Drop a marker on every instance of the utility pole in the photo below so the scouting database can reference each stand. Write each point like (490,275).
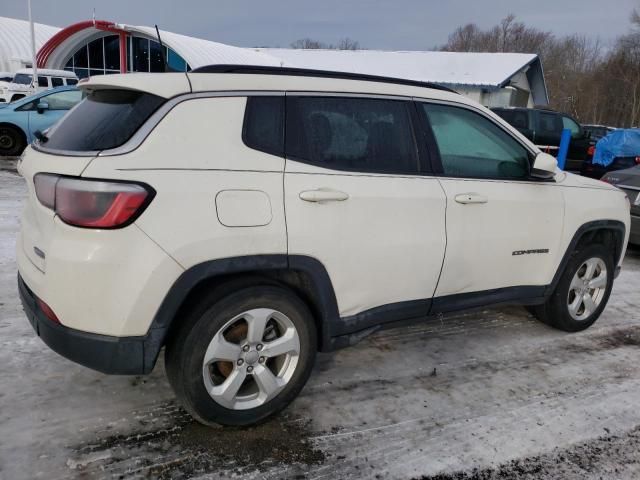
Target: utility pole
(34,78)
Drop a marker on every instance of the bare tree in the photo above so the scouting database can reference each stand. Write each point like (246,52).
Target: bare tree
(348,44)
(311,44)
(308,44)
(577,70)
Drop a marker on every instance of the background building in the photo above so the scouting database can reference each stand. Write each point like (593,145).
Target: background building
(15,42)
(492,79)
(98,47)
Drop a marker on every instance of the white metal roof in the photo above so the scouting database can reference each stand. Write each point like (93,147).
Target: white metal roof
(15,41)
(198,52)
(451,68)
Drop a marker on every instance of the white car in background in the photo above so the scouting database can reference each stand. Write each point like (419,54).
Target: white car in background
(246,217)
(21,84)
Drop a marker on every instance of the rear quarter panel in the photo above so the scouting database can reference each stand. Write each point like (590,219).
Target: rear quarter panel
(192,155)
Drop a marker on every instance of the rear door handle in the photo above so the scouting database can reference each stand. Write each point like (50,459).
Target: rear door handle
(466,198)
(323,195)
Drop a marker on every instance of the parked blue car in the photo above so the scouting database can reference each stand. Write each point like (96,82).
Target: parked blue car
(20,119)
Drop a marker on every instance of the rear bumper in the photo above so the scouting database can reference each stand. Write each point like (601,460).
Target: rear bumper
(106,354)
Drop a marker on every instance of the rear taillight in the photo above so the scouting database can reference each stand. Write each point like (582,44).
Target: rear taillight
(637,160)
(591,151)
(92,203)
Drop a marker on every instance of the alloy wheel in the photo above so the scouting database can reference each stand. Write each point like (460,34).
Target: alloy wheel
(587,288)
(251,359)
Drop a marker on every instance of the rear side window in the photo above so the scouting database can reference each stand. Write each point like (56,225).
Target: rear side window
(105,119)
(42,81)
(356,134)
(550,123)
(72,81)
(264,124)
(570,124)
(516,118)
(56,82)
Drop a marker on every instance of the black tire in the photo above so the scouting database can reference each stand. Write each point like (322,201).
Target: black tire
(12,141)
(555,312)
(185,352)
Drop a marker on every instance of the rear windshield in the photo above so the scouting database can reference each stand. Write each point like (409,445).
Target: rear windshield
(105,119)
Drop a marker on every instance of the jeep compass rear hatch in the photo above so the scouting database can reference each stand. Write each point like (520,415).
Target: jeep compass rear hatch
(105,119)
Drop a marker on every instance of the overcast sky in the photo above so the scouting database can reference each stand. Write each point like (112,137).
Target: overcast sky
(391,24)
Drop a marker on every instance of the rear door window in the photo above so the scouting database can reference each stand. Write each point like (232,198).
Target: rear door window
(355,134)
(56,82)
(105,119)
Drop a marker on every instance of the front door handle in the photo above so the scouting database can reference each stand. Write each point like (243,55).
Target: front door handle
(466,198)
(323,195)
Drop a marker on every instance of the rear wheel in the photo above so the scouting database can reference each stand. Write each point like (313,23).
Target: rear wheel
(12,142)
(241,359)
(582,292)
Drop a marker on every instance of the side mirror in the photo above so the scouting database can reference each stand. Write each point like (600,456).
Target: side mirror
(42,106)
(544,166)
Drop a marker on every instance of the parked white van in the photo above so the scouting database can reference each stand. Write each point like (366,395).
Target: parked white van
(22,86)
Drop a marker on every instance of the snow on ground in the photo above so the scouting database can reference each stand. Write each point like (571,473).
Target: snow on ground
(484,395)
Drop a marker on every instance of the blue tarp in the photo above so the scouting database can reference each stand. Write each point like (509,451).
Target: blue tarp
(619,143)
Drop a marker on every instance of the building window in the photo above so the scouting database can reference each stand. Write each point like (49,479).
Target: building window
(102,57)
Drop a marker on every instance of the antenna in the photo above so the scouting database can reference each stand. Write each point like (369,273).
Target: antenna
(164,60)
(34,60)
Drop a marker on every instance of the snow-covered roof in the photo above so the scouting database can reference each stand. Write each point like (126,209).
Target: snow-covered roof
(450,68)
(456,69)
(15,41)
(198,52)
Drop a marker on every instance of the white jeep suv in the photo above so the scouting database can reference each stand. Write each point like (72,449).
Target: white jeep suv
(246,217)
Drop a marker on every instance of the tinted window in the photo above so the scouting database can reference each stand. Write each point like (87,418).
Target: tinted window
(62,100)
(264,124)
(571,125)
(105,119)
(112,53)
(471,145)
(42,81)
(140,54)
(72,81)
(56,82)
(22,79)
(357,134)
(550,123)
(517,118)
(96,59)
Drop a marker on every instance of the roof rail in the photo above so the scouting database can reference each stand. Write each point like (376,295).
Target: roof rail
(306,72)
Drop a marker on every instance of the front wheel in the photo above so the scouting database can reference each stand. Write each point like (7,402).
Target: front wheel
(241,359)
(12,142)
(582,292)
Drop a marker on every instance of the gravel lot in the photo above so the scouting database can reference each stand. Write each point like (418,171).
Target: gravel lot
(486,395)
